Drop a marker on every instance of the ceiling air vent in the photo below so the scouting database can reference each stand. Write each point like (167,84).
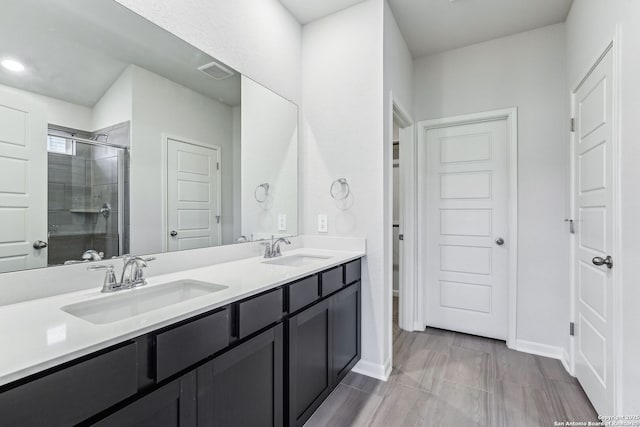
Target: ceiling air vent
(215,70)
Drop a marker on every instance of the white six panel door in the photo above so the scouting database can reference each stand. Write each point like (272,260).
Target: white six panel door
(466,187)
(23,182)
(593,197)
(193,196)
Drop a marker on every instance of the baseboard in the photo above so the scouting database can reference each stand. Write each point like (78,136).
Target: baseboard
(566,362)
(540,349)
(396,292)
(547,351)
(373,370)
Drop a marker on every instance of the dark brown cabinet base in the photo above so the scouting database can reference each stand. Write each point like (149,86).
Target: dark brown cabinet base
(268,360)
(323,345)
(172,405)
(243,387)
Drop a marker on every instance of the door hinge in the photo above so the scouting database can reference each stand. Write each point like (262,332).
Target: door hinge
(572,329)
(572,229)
(218,166)
(217,219)
(400,236)
(572,124)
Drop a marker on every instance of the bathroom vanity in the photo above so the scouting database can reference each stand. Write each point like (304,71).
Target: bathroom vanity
(265,350)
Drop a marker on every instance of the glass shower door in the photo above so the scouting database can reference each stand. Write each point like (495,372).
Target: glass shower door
(87,201)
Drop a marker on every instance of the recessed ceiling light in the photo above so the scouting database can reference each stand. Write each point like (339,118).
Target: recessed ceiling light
(12,65)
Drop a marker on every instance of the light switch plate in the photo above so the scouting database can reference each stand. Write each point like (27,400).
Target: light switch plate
(282,222)
(323,226)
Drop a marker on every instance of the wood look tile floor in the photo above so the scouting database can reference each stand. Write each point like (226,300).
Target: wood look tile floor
(449,379)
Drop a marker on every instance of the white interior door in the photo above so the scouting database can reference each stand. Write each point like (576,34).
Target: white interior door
(193,196)
(23,182)
(593,196)
(466,215)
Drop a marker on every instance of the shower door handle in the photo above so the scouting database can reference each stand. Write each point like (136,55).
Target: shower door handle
(39,244)
(174,233)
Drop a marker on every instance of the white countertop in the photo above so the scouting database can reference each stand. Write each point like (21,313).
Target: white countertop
(37,335)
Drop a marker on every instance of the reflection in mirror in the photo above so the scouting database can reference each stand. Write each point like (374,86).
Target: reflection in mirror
(118,137)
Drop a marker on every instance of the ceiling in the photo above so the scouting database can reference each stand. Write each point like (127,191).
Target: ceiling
(74,50)
(431,26)
(306,11)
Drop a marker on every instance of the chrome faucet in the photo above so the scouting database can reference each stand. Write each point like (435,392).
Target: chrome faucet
(272,249)
(92,255)
(132,274)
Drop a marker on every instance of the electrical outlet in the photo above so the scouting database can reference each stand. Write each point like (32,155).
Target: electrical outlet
(282,222)
(323,226)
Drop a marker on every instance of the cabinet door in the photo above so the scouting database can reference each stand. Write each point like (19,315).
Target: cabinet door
(345,331)
(309,361)
(244,386)
(172,405)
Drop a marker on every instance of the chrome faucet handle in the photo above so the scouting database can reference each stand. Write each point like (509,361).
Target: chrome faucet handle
(110,283)
(138,272)
(267,249)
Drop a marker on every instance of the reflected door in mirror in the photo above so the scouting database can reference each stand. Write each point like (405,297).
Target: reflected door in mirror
(23,183)
(193,196)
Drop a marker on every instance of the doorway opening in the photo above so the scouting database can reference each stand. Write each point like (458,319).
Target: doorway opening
(396,226)
(402,231)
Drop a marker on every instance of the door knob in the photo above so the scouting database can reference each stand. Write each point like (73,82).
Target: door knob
(608,261)
(39,244)
(499,241)
(174,233)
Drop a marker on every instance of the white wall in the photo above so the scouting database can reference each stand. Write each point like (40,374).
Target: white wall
(258,38)
(342,82)
(526,71)
(269,147)
(59,112)
(116,105)
(398,63)
(589,28)
(162,107)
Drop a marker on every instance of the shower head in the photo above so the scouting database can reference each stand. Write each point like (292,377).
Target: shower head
(98,135)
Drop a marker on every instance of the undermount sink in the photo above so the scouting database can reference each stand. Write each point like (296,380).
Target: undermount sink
(129,303)
(299,260)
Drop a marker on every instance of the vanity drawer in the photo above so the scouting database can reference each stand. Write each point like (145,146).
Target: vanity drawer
(74,393)
(182,346)
(352,271)
(303,293)
(332,280)
(259,312)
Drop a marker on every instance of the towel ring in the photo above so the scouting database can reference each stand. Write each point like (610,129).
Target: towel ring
(344,184)
(265,188)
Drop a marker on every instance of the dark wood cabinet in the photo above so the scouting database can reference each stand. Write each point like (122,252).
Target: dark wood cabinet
(309,361)
(346,329)
(244,386)
(73,392)
(267,360)
(259,312)
(172,405)
(323,345)
(179,347)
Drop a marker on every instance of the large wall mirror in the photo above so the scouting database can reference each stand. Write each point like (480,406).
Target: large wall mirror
(118,137)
